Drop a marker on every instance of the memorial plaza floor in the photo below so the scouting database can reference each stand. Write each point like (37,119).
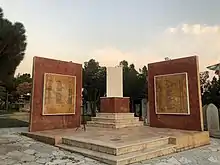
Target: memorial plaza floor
(20,150)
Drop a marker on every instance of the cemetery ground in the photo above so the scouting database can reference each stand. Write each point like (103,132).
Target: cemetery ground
(20,150)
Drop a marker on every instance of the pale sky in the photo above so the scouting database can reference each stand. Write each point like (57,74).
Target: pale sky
(139,31)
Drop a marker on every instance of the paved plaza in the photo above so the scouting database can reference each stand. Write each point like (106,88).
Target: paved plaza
(19,150)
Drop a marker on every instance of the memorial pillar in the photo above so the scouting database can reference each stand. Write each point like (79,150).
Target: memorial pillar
(114,102)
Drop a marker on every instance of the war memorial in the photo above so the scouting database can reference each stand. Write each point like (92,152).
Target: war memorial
(115,136)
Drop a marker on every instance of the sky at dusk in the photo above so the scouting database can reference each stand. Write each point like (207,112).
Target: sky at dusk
(139,31)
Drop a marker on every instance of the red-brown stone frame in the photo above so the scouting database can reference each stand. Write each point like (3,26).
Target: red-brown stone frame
(39,122)
(194,120)
(115,105)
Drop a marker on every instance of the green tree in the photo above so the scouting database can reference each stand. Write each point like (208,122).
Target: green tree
(212,94)
(2,97)
(127,91)
(94,81)
(21,78)
(204,82)
(24,88)
(143,83)
(2,93)
(134,82)
(12,48)
(210,90)
(19,85)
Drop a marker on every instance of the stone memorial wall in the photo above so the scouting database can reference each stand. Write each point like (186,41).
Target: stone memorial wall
(56,94)
(174,94)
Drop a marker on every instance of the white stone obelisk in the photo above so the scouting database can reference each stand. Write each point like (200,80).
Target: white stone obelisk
(114,82)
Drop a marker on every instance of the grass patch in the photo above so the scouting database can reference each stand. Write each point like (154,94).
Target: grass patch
(2,112)
(16,119)
(10,122)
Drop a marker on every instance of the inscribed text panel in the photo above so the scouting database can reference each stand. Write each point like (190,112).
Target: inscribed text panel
(171,94)
(59,94)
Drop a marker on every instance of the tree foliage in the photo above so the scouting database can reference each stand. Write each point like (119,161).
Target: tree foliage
(2,93)
(94,80)
(21,78)
(24,88)
(134,82)
(210,89)
(21,85)
(12,47)
(204,82)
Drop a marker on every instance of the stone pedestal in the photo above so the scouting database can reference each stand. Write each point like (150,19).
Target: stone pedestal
(114,105)
(114,113)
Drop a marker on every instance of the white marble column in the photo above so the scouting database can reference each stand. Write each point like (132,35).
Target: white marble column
(114,82)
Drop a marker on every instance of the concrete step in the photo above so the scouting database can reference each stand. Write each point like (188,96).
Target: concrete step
(113,125)
(115,115)
(110,149)
(109,120)
(125,159)
(115,122)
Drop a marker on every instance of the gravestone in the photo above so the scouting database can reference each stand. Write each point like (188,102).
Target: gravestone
(144,108)
(212,117)
(148,114)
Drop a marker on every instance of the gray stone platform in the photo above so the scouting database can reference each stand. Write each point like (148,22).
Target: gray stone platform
(20,150)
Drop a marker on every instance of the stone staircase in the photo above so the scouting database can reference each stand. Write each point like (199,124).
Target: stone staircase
(118,154)
(114,120)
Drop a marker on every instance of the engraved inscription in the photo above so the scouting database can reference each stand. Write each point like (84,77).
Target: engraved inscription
(59,94)
(171,94)
(70,96)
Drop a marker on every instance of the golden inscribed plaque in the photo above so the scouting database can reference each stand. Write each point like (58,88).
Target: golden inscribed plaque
(171,94)
(59,96)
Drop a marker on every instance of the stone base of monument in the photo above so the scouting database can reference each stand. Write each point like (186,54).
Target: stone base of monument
(114,120)
(123,146)
(115,113)
(115,105)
